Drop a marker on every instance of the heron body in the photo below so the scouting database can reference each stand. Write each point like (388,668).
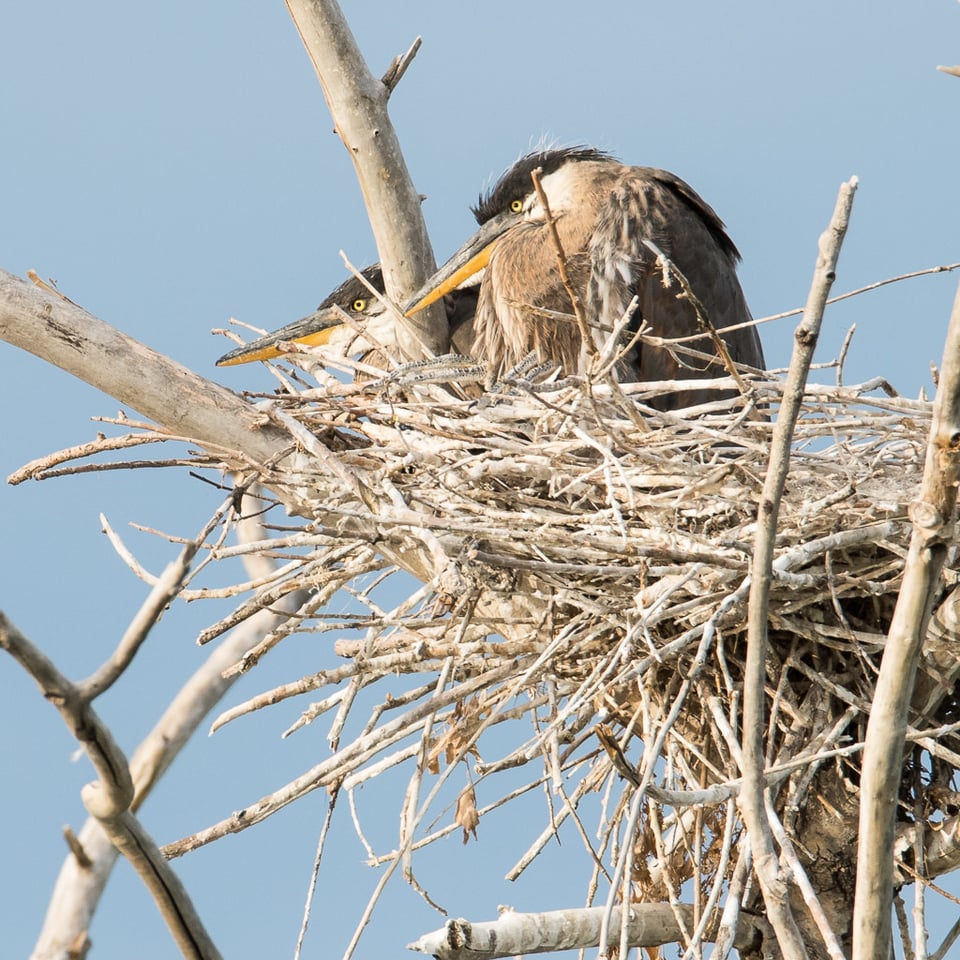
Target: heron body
(370,329)
(603,211)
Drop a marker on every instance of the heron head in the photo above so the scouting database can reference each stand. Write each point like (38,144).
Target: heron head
(328,325)
(509,204)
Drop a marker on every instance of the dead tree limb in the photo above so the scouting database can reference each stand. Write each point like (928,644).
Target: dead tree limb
(648,925)
(754,724)
(357,101)
(186,405)
(934,529)
(109,798)
(182,402)
(79,886)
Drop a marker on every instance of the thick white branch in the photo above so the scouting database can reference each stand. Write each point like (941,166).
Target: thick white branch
(179,400)
(649,925)
(358,104)
(185,404)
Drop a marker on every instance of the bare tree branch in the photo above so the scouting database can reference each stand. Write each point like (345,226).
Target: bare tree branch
(129,837)
(80,884)
(188,405)
(751,799)
(166,588)
(182,402)
(933,530)
(109,799)
(358,105)
(647,925)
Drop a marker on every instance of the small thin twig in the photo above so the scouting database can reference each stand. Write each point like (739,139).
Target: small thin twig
(398,66)
(167,586)
(669,268)
(876,285)
(585,334)
(315,872)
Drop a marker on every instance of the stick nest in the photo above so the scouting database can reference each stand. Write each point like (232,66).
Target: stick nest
(588,564)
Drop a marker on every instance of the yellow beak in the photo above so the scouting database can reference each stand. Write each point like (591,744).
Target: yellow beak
(468,261)
(314,330)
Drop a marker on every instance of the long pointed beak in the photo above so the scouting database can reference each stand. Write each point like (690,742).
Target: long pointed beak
(468,261)
(314,330)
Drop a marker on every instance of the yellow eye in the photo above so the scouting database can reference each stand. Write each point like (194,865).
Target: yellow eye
(359,305)
(516,205)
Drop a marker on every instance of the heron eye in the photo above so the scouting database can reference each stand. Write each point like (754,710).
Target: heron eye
(516,205)
(359,305)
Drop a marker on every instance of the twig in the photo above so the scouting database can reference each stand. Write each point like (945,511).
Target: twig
(398,66)
(334,767)
(903,926)
(585,334)
(165,589)
(669,268)
(948,941)
(315,872)
(920,932)
(799,876)
(37,469)
(876,285)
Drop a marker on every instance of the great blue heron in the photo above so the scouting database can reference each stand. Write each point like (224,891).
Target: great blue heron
(326,325)
(603,211)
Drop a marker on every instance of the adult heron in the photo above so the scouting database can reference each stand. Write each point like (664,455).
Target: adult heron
(370,325)
(603,211)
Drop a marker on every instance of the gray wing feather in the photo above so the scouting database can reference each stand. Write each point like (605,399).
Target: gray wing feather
(655,205)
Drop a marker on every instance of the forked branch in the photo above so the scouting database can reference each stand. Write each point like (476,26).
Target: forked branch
(110,798)
(358,104)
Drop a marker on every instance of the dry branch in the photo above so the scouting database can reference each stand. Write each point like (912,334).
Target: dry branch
(934,534)
(109,798)
(751,799)
(647,924)
(182,402)
(80,885)
(186,405)
(358,104)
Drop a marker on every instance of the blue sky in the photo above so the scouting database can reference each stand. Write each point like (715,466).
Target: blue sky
(174,165)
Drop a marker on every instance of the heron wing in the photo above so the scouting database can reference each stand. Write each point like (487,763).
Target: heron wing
(650,204)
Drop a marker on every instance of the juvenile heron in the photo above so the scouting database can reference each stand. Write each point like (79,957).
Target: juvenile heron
(603,211)
(326,326)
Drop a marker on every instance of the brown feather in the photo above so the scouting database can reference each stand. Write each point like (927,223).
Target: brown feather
(604,211)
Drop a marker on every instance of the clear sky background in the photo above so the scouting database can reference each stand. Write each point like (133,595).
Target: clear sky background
(173,165)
